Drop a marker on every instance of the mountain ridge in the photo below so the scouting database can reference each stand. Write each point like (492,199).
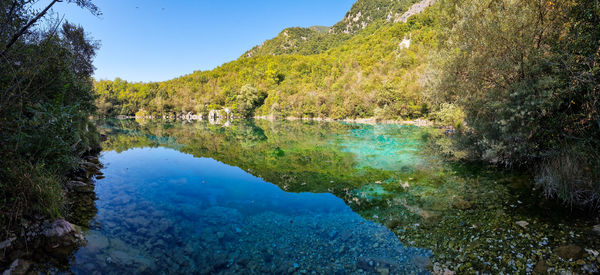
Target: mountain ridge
(306,41)
(365,12)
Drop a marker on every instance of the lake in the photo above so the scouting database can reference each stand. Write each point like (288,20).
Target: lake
(300,197)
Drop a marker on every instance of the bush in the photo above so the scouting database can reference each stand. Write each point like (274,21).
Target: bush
(533,100)
(142,113)
(46,101)
(450,115)
(571,176)
(27,190)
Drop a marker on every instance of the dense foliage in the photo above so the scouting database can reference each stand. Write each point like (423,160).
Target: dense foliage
(527,75)
(45,101)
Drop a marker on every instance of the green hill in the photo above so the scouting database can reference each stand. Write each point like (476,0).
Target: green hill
(303,72)
(297,40)
(317,39)
(321,29)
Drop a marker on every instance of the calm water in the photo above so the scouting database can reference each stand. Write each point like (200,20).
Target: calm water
(163,210)
(314,198)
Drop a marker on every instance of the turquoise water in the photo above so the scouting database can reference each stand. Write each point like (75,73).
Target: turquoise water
(163,211)
(384,146)
(301,197)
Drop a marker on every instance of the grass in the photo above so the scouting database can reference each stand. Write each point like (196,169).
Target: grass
(28,191)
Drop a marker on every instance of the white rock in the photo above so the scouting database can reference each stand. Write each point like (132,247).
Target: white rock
(592,252)
(523,224)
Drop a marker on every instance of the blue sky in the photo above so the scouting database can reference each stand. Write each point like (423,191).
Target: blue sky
(156,40)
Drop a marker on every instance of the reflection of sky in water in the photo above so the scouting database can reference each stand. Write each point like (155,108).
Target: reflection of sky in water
(388,147)
(160,210)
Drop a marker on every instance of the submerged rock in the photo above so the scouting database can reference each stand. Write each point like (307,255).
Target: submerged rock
(96,241)
(383,271)
(365,264)
(569,252)
(79,187)
(346,235)
(132,257)
(219,261)
(218,215)
(18,267)
(61,237)
(422,261)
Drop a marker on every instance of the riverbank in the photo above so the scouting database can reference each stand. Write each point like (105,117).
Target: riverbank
(371,120)
(40,241)
(421,122)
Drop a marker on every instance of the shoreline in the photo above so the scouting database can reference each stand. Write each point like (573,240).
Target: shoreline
(40,239)
(420,122)
(371,121)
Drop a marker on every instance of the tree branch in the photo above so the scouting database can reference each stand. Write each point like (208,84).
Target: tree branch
(27,26)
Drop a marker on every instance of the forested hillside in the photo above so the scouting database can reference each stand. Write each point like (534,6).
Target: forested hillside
(362,75)
(519,80)
(318,39)
(297,40)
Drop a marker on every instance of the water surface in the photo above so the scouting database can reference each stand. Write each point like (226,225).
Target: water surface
(162,210)
(289,197)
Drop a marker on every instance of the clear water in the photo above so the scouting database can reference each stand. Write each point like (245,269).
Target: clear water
(386,146)
(164,211)
(316,198)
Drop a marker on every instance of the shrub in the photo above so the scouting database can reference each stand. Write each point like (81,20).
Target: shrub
(44,112)
(571,176)
(451,115)
(142,113)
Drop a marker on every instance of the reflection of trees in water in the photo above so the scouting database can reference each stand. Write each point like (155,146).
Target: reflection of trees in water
(297,156)
(82,208)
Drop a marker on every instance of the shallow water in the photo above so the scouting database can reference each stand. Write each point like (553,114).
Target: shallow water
(161,210)
(306,197)
(386,146)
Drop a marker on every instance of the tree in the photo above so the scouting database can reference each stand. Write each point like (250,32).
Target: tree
(45,101)
(248,100)
(526,75)
(11,10)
